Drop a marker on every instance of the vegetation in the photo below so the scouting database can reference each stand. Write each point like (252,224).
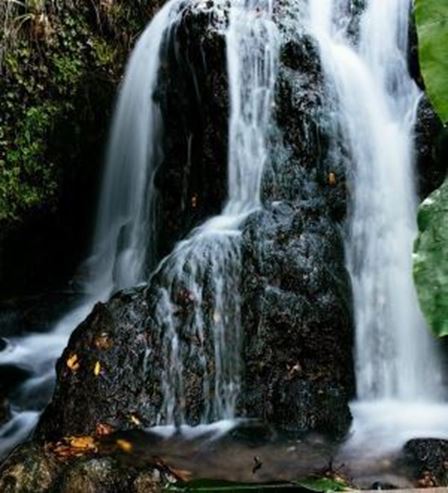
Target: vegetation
(431,247)
(432,25)
(431,260)
(60,62)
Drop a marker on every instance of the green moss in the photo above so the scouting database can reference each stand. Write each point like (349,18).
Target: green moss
(59,65)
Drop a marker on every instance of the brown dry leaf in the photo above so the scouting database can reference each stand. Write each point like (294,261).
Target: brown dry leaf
(124,445)
(332,179)
(82,442)
(70,447)
(97,368)
(103,429)
(73,362)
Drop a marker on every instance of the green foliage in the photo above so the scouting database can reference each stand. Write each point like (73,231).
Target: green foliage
(60,63)
(25,180)
(431,260)
(431,246)
(432,26)
(316,485)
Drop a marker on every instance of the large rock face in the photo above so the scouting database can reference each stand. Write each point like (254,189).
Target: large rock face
(297,369)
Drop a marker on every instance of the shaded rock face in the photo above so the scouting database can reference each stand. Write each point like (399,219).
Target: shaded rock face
(295,293)
(428,458)
(193,96)
(28,469)
(33,469)
(431,144)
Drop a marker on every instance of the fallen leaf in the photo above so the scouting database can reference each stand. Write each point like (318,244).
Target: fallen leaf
(73,362)
(124,445)
(103,429)
(97,369)
(135,420)
(70,447)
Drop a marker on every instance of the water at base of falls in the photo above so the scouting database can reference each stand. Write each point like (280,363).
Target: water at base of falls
(398,372)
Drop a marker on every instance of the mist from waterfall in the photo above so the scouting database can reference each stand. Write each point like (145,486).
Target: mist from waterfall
(397,365)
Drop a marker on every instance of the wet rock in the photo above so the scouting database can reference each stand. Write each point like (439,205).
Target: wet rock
(430,141)
(428,458)
(298,323)
(29,469)
(96,475)
(32,468)
(102,374)
(5,411)
(193,97)
(381,485)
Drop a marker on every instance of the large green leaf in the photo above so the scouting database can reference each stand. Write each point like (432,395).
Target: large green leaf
(431,259)
(432,26)
(312,485)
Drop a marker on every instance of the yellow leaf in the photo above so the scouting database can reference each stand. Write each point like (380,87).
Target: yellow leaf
(82,442)
(124,445)
(135,420)
(73,362)
(97,369)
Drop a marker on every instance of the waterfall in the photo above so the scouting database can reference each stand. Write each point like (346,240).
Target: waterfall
(122,245)
(122,250)
(206,267)
(376,102)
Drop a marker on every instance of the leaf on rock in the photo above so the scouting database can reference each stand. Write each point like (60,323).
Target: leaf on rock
(97,368)
(73,362)
(124,445)
(103,429)
(74,446)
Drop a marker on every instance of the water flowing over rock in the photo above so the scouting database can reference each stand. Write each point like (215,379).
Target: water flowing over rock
(206,340)
(260,170)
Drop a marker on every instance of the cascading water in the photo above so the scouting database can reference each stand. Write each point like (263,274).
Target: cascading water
(397,366)
(206,267)
(122,246)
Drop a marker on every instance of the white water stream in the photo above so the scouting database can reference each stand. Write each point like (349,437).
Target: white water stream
(207,265)
(398,370)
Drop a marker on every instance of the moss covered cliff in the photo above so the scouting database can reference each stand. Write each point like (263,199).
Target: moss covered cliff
(60,64)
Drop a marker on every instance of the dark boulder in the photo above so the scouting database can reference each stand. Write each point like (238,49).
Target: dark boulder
(29,469)
(297,321)
(39,468)
(428,458)
(431,144)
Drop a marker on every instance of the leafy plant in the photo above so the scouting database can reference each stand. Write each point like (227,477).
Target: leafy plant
(432,26)
(431,246)
(431,260)
(315,484)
